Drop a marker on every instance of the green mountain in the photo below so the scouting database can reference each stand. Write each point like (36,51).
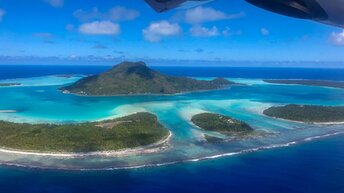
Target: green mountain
(136,78)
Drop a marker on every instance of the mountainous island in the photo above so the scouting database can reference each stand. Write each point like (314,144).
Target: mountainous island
(326,83)
(130,78)
(140,129)
(307,113)
(221,124)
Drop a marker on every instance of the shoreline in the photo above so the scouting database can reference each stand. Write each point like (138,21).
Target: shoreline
(303,84)
(148,149)
(261,112)
(309,123)
(191,160)
(8,111)
(150,94)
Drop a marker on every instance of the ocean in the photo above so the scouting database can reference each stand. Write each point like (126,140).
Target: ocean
(303,163)
(24,71)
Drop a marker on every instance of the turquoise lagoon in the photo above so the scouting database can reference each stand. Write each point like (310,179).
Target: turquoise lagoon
(38,100)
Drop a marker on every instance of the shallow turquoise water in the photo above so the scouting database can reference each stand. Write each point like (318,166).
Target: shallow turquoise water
(39,100)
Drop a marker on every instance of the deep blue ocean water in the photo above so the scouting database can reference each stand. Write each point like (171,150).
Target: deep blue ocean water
(25,71)
(312,167)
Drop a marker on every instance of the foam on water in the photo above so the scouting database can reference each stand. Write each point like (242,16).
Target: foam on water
(44,80)
(248,81)
(187,160)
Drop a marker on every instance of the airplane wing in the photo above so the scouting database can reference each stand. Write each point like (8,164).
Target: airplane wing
(165,5)
(330,12)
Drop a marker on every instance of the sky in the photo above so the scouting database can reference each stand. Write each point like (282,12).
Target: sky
(107,31)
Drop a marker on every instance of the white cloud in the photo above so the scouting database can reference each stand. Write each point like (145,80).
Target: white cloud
(100,28)
(337,38)
(201,31)
(157,30)
(114,14)
(2,13)
(229,32)
(202,14)
(55,3)
(264,31)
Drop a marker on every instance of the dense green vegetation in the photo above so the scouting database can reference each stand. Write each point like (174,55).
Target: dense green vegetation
(307,113)
(10,84)
(136,78)
(127,132)
(333,84)
(220,123)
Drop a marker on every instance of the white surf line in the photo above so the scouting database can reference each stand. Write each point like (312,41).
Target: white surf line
(328,123)
(182,161)
(215,156)
(265,147)
(8,111)
(323,136)
(152,148)
(310,123)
